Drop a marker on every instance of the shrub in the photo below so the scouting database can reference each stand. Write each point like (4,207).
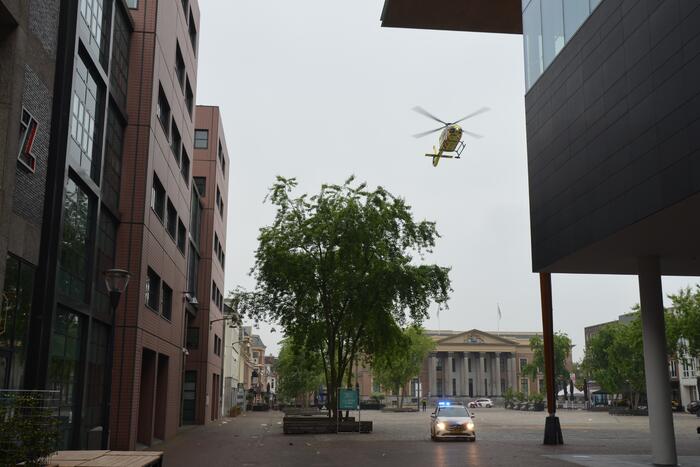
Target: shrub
(29,429)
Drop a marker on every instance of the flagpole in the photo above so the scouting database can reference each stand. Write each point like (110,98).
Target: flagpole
(498,319)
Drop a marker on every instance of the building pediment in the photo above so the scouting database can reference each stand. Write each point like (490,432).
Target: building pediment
(475,337)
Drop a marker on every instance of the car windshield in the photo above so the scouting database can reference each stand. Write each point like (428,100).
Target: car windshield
(455,411)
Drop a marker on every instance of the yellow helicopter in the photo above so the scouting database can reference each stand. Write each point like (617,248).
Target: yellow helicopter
(451,136)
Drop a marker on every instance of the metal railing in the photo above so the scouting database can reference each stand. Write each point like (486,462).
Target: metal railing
(29,426)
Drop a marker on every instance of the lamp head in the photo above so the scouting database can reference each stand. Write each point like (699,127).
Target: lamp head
(116,280)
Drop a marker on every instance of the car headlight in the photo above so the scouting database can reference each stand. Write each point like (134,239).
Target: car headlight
(470,426)
(440,426)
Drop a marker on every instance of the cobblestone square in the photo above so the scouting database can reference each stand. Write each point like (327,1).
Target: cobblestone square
(504,438)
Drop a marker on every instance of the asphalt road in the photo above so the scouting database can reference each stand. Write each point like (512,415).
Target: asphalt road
(504,438)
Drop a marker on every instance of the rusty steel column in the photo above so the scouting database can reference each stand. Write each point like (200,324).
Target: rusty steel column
(552,428)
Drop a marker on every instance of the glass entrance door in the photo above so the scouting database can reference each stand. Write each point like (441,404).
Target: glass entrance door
(189,397)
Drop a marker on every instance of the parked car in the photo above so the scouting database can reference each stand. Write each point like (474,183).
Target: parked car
(693,407)
(483,402)
(452,420)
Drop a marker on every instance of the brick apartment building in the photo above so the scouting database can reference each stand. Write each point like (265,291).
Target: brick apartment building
(107,87)
(205,329)
(160,237)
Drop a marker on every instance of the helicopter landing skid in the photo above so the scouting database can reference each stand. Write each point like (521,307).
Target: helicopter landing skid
(460,147)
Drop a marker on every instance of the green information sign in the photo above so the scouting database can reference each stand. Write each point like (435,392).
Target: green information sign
(347,399)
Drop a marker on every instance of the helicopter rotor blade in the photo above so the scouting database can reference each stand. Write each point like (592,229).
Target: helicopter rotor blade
(425,113)
(426,133)
(473,114)
(473,135)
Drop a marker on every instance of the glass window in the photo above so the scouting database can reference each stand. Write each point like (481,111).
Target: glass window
(193,34)
(192,338)
(111,185)
(94,391)
(96,16)
(201,183)
(184,6)
(532,42)
(106,246)
(133,4)
(167,301)
(201,139)
(158,198)
(75,242)
(172,220)
(163,110)
(523,363)
(524,386)
(189,97)
(14,319)
(181,235)
(185,167)
(179,65)
(552,29)
(119,68)
(575,13)
(175,141)
(192,270)
(64,368)
(222,159)
(152,289)
(469,365)
(85,120)
(195,217)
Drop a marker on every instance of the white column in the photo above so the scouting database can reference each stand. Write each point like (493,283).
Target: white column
(432,376)
(512,378)
(446,381)
(465,373)
(498,374)
(482,374)
(476,373)
(663,441)
(457,374)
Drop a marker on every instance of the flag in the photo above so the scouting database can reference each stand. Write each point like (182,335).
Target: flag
(499,311)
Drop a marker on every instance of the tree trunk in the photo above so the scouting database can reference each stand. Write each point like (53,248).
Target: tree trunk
(400,397)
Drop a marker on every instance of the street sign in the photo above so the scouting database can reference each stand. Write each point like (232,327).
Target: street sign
(347,399)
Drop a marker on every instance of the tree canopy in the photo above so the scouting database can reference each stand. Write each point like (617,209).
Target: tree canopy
(340,272)
(562,350)
(299,370)
(614,358)
(686,322)
(394,367)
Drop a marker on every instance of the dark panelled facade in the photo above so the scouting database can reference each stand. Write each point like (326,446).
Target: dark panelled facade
(613,127)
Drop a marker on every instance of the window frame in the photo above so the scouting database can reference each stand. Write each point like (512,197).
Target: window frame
(153,303)
(196,139)
(156,189)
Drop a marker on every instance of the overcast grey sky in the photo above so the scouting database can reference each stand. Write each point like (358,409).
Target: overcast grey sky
(318,90)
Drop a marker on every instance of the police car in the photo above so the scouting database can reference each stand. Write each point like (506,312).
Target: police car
(452,420)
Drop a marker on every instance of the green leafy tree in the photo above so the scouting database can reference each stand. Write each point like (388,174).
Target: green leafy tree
(338,270)
(394,367)
(300,371)
(614,358)
(686,318)
(562,351)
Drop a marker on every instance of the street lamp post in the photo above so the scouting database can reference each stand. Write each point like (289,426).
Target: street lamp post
(116,281)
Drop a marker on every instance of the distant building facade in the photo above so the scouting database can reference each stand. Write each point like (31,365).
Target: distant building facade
(684,370)
(468,364)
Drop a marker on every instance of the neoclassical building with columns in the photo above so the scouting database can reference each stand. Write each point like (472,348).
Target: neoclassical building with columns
(467,364)
(476,363)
